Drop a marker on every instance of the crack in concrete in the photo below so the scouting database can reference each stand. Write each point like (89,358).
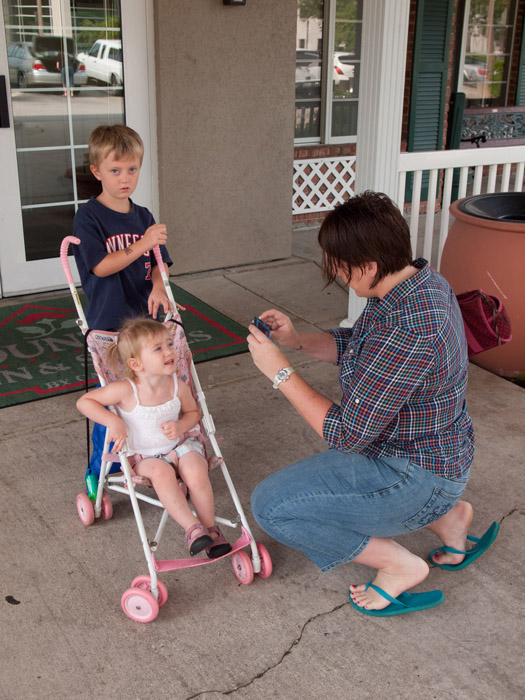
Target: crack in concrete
(288,651)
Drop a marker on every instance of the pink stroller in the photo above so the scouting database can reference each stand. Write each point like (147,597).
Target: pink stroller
(141,602)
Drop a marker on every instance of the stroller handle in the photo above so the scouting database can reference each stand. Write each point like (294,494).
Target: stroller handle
(158,257)
(63,256)
(82,323)
(165,280)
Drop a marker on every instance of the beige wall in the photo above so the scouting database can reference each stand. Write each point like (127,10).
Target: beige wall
(225,101)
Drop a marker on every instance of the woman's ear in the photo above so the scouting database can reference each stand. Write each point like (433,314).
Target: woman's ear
(371,270)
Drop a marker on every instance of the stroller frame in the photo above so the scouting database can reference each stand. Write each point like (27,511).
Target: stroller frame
(141,602)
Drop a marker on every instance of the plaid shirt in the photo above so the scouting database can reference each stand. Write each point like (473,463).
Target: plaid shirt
(403,372)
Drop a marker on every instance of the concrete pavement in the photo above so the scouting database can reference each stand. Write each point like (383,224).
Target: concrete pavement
(290,636)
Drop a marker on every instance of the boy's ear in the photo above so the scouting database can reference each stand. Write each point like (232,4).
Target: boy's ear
(94,170)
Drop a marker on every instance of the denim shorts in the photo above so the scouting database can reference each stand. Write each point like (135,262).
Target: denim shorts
(190,445)
(328,506)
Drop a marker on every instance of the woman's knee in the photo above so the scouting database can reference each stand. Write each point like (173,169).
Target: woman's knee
(263,500)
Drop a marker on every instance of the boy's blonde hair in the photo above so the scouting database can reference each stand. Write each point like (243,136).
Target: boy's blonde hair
(125,142)
(133,335)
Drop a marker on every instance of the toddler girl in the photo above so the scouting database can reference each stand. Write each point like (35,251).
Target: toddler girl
(156,412)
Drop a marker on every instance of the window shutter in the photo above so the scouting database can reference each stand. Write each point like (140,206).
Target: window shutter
(429,78)
(520,89)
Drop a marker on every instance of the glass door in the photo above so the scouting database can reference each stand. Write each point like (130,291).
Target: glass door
(65,74)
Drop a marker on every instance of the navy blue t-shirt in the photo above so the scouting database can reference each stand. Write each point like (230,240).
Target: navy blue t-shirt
(125,294)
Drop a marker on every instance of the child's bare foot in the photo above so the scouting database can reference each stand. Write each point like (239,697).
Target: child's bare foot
(452,530)
(394,580)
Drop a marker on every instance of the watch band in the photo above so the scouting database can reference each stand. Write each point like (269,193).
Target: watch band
(282,376)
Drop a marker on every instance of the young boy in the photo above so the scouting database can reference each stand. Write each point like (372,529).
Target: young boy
(115,259)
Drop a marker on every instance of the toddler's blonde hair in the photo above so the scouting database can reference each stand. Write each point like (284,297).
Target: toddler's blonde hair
(121,139)
(133,335)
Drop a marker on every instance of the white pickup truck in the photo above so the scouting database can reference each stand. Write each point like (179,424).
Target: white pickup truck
(103,61)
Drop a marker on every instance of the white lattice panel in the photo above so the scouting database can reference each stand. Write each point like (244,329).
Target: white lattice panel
(321,183)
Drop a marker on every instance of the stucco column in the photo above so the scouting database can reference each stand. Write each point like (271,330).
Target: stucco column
(381,92)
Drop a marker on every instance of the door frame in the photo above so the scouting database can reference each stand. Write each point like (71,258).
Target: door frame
(17,276)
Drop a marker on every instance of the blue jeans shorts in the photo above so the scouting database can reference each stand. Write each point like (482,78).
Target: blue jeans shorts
(330,505)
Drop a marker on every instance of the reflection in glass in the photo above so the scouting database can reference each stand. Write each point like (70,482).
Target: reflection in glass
(347,54)
(43,176)
(308,68)
(96,106)
(485,69)
(50,44)
(87,184)
(344,118)
(40,119)
(44,229)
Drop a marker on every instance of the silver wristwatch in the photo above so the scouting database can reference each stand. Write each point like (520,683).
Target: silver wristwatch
(282,376)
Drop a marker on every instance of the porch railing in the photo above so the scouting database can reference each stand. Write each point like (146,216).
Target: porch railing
(472,171)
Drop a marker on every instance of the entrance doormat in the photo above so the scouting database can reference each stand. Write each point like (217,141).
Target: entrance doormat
(42,348)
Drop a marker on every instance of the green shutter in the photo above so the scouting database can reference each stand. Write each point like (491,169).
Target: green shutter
(520,90)
(429,78)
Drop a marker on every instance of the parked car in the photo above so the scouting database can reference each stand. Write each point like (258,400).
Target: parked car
(34,63)
(307,73)
(474,70)
(103,61)
(344,67)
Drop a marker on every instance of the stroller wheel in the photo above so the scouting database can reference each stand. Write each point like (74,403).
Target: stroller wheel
(85,509)
(106,510)
(139,605)
(144,582)
(242,567)
(266,561)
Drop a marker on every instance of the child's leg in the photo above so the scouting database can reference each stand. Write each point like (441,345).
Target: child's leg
(166,484)
(193,469)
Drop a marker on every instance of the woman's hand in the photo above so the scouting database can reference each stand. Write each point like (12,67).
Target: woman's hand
(171,429)
(282,328)
(266,356)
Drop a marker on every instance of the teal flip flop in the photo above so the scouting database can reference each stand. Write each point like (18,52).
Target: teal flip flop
(404,603)
(471,555)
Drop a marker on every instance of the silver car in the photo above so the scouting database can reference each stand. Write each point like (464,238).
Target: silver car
(34,63)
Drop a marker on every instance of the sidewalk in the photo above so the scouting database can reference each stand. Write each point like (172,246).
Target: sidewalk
(290,636)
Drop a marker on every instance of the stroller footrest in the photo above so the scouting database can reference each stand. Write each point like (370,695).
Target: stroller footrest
(172,564)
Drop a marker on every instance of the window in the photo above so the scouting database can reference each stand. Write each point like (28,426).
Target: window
(487,49)
(327,67)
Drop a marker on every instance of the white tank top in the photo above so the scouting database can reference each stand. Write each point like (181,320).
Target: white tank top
(145,436)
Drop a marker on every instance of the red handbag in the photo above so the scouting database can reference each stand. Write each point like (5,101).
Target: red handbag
(487,323)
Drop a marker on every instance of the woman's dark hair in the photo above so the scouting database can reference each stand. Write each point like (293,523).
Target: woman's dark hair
(366,228)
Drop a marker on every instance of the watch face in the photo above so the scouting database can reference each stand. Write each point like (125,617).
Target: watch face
(282,374)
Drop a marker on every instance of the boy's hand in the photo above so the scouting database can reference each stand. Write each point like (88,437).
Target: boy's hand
(156,235)
(158,298)
(171,429)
